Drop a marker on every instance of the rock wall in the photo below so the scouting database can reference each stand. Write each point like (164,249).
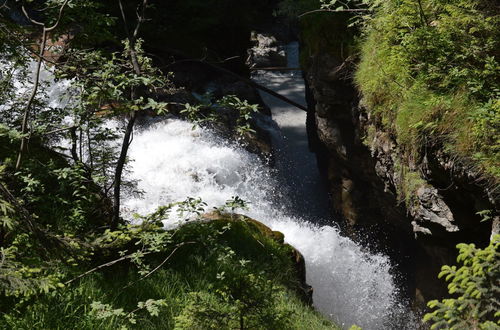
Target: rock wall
(364,167)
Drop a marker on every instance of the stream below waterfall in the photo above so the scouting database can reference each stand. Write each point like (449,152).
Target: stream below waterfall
(171,161)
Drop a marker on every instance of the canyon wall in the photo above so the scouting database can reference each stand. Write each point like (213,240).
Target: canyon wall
(365,170)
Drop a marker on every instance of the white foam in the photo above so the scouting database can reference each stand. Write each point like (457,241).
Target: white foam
(171,161)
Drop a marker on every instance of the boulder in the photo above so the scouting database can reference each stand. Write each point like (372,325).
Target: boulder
(256,229)
(265,52)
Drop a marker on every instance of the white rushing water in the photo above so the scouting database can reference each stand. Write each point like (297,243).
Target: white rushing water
(54,92)
(171,161)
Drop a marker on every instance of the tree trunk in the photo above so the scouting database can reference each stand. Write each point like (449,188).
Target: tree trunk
(36,83)
(119,169)
(130,126)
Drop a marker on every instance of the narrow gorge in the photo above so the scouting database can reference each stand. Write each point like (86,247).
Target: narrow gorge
(258,164)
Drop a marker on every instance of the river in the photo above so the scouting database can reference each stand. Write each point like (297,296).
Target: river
(172,161)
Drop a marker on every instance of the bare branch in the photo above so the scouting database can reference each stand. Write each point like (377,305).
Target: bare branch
(59,130)
(128,256)
(140,18)
(4,5)
(333,11)
(24,128)
(61,10)
(28,17)
(124,18)
(43,43)
(249,82)
(111,263)
(161,264)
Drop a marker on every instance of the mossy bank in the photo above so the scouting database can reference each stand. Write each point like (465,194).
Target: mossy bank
(404,117)
(222,271)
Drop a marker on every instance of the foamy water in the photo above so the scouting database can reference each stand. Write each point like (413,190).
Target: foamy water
(171,161)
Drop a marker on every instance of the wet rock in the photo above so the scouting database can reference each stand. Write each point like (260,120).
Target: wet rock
(363,165)
(432,208)
(265,52)
(303,289)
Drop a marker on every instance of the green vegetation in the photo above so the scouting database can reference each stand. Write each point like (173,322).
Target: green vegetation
(208,111)
(320,31)
(429,75)
(67,257)
(226,273)
(408,185)
(427,71)
(475,289)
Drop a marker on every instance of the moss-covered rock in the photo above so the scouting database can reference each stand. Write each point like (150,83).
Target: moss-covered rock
(410,157)
(254,234)
(214,273)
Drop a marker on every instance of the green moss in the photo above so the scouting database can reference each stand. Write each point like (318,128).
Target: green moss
(407,184)
(194,270)
(326,33)
(369,136)
(431,80)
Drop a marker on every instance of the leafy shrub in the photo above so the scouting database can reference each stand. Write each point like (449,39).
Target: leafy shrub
(429,75)
(475,287)
(240,298)
(208,111)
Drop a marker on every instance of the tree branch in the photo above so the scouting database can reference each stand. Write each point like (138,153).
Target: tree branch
(161,264)
(333,11)
(28,17)
(250,82)
(24,127)
(43,43)
(111,263)
(124,18)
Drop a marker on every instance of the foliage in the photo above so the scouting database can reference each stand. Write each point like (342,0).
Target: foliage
(208,111)
(102,311)
(233,204)
(244,109)
(475,288)
(62,260)
(429,76)
(291,9)
(102,79)
(322,31)
(240,298)
(230,264)
(360,9)
(410,181)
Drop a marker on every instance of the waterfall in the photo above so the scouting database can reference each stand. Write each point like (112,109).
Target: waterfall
(172,161)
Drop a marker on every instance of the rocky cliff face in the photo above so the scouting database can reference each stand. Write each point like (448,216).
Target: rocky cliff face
(365,169)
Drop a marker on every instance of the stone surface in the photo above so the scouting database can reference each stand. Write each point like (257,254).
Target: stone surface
(265,52)
(304,290)
(361,162)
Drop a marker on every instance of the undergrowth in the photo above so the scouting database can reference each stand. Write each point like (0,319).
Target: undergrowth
(429,76)
(224,271)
